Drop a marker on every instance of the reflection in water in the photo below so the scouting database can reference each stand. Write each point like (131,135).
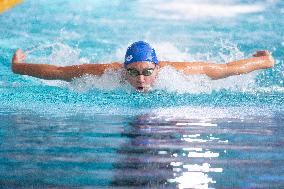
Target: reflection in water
(194,175)
(169,153)
(144,152)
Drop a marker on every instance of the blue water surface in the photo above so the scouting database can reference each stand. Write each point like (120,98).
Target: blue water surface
(188,132)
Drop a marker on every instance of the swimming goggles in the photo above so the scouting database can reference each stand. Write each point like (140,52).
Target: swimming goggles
(134,72)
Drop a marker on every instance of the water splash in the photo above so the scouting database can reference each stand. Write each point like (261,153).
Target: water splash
(57,53)
(174,81)
(169,79)
(190,10)
(110,80)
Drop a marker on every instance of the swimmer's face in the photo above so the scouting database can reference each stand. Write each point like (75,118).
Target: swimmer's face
(147,75)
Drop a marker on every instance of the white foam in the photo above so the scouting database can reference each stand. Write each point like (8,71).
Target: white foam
(61,54)
(172,80)
(192,9)
(168,51)
(110,80)
(208,113)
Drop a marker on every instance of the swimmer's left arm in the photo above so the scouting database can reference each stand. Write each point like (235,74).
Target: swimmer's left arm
(260,60)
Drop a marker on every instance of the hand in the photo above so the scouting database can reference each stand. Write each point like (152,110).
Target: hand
(261,53)
(266,55)
(19,57)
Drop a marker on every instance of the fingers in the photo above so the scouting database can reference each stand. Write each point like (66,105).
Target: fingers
(19,56)
(269,63)
(20,52)
(262,53)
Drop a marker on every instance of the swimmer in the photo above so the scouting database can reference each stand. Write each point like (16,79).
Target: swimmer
(141,67)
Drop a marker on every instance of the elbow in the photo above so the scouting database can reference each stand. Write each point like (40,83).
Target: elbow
(62,74)
(216,77)
(216,72)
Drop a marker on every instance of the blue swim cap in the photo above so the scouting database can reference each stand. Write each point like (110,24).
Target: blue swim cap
(140,52)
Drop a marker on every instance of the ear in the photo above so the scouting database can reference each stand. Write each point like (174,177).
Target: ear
(124,72)
(124,75)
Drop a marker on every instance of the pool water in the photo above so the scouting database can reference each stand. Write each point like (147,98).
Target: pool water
(188,132)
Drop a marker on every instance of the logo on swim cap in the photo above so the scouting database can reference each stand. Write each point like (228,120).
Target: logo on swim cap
(140,52)
(129,58)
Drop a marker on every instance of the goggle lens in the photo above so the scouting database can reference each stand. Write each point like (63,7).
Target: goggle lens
(134,73)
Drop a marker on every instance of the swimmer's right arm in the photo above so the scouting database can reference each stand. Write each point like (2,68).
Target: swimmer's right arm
(51,72)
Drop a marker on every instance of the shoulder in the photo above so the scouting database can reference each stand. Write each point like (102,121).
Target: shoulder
(114,66)
(177,65)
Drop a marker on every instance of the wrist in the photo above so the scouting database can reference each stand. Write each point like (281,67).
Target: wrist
(15,66)
(266,61)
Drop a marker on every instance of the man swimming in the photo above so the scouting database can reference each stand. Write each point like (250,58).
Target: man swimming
(141,67)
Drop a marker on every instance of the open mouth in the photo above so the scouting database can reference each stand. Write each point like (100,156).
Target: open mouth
(143,88)
(140,88)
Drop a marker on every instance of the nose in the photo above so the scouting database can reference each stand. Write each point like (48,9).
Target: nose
(140,79)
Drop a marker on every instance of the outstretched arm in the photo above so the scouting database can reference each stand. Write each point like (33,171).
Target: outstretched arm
(260,60)
(66,73)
